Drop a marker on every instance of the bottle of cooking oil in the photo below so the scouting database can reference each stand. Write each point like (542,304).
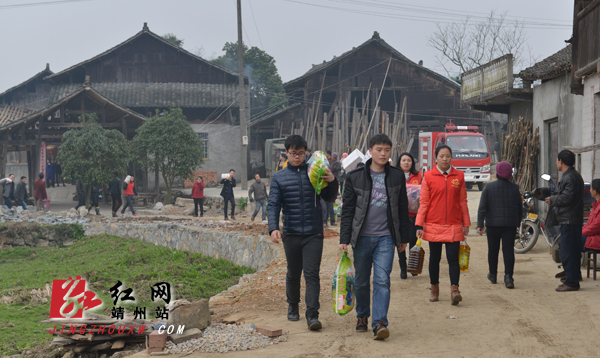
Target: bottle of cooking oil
(463,255)
(416,256)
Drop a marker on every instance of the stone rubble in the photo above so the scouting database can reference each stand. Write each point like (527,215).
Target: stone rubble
(17,214)
(223,338)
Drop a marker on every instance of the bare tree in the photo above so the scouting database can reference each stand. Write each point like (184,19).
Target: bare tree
(469,44)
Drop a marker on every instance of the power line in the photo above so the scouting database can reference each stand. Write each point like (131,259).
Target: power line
(31,4)
(256,26)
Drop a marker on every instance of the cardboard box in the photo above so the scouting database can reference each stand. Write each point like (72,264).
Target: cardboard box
(352,160)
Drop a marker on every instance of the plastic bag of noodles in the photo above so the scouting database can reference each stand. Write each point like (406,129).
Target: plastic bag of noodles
(317,167)
(343,287)
(413,191)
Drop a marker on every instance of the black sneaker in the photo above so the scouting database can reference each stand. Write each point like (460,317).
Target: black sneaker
(508,281)
(403,274)
(362,324)
(293,314)
(493,278)
(380,332)
(314,324)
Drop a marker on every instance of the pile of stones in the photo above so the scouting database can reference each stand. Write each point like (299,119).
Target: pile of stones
(17,214)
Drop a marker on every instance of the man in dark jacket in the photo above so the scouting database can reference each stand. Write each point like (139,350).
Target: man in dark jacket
(293,194)
(8,190)
(375,221)
(259,189)
(58,174)
(22,193)
(80,190)
(501,208)
(114,186)
(227,193)
(569,213)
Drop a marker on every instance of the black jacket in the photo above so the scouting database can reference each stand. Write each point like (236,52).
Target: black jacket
(114,186)
(228,186)
(357,198)
(292,193)
(569,201)
(21,192)
(500,205)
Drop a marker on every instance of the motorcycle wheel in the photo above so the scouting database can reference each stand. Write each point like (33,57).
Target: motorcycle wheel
(527,240)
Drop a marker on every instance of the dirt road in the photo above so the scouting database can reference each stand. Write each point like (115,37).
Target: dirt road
(531,320)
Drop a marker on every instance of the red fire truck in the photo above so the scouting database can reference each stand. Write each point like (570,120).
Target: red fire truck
(470,152)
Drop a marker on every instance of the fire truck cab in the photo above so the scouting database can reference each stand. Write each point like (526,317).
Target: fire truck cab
(470,152)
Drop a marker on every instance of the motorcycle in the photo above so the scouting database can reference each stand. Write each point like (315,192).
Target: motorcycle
(529,230)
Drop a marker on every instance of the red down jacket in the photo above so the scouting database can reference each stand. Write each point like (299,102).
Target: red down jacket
(591,228)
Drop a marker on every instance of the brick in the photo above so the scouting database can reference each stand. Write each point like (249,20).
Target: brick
(268,331)
(157,340)
(186,335)
(207,176)
(153,350)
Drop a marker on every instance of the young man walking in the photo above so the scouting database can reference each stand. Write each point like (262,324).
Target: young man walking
(260,195)
(569,213)
(8,190)
(39,193)
(375,222)
(114,186)
(293,194)
(227,193)
(22,193)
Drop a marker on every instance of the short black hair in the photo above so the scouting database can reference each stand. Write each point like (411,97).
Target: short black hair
(328,152)
(41,175)
(231,170)
(360,165)
(308,150)
(296,142)
(413,168)
(199,176)
(379,139)
(284,155)
(10,174)
(567,157)
(596,185)
(440,147)
(23,177)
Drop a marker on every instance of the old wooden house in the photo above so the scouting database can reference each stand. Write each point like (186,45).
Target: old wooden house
(370,89)
(124,85)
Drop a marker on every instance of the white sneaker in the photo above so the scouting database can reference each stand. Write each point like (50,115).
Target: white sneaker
(264,221)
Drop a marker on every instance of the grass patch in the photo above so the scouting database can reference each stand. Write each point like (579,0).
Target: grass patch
(102,260)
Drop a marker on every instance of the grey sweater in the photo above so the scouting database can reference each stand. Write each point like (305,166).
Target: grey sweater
(259,189)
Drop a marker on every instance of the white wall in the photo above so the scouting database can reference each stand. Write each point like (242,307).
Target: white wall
(590,90)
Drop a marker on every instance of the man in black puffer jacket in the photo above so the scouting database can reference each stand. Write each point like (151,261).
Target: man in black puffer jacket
(569,213)
(501,208)
(292,193)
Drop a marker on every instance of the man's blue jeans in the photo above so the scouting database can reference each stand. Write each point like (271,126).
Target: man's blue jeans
(8,202)
(261,204)
(570,253)
(378,253)
(22,203)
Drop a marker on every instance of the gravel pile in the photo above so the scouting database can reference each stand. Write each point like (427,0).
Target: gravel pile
(17,214)
(223,338)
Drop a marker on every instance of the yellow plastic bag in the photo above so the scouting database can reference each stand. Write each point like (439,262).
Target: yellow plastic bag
(317,168)
(343,287)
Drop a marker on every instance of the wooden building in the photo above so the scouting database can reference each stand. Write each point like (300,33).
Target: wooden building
(124,85)
(370,89)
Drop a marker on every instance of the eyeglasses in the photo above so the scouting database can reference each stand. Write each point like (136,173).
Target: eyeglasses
(297,155)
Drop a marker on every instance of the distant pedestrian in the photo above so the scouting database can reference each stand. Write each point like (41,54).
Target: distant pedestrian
(307,155)
(334,166)
(39,193)
(129,190)
(8,190)
(114,186)
(501,209)
(198,195)
(58,174)
(22,193)
(80,190)
(260,196)
(95,198)
(406,162)
(283,161)
(49,173)
(227,193)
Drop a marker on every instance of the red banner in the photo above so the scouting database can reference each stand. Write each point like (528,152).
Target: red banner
(43,158)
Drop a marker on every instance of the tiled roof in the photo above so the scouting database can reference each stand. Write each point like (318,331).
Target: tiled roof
(374,39)
(9,114)
(550,67)
(42,74)
(153,95)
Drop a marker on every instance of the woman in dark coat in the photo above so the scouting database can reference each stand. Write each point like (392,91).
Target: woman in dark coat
(501,208)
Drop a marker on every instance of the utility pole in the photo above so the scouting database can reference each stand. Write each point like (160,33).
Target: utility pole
(243,127)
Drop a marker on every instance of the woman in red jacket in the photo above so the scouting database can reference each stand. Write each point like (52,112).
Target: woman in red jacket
(198,195)
(591,228)
(406,162)
(443,219)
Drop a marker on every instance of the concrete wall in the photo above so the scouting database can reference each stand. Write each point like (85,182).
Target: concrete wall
(254,251)
(590,113)
(553,100)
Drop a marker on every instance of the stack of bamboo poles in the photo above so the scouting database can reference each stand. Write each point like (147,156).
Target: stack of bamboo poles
(521,146)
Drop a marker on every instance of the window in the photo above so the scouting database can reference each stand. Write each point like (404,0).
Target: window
(204,138)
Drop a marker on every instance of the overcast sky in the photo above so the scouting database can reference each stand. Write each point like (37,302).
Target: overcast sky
(296,33)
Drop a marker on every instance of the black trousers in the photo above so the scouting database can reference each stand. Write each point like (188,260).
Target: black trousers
(506,236)
(412,241)
(116,202)
(435,255)
(58,179)
(227,201)
(200,202)
(303,253)
(570,253)
(81,199)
